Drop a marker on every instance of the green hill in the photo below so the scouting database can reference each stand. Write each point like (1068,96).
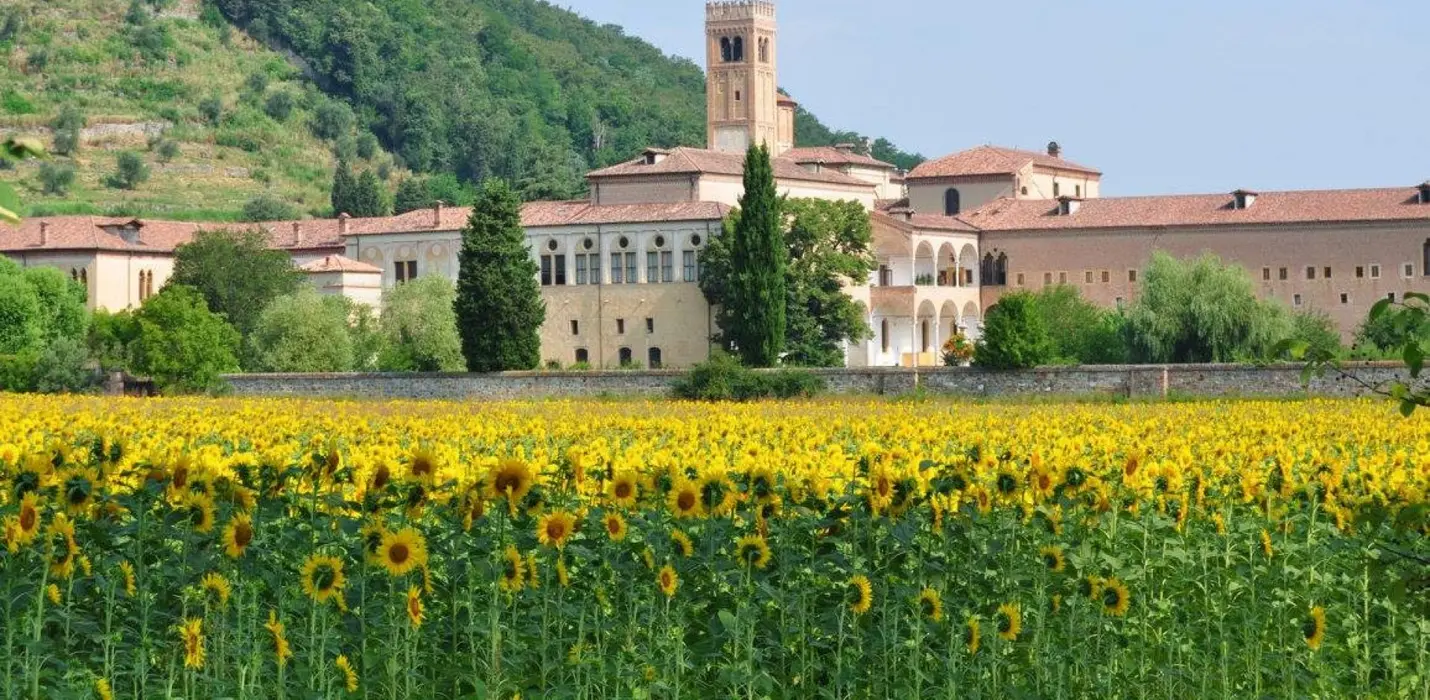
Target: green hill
(518,89)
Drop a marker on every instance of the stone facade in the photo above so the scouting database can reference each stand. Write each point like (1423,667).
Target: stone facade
(1136,382)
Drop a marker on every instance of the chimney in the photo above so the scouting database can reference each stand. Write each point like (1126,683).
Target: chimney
(1055,150)
(297,233)
(343,224)
(1067,206)
(437,213)
(1424,192)
(44,233)
(1242,199)
(844,147)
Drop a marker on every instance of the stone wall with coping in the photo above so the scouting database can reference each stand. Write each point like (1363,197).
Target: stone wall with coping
(1138,381)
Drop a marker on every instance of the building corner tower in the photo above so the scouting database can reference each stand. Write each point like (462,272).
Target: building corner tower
(741,89)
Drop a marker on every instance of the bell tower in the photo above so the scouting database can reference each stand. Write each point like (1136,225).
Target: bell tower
(740,75)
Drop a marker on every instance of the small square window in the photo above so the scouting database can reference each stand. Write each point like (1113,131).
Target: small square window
(1047,279)
(1284,274)
(1266,274)
(1360,272)
(1120,302)
(1326,273)
(1088,276)
(1345,299)
(650,325)
(1021,279)
(1391,297)
(1409,270)
(1062,278)
(1132,276)
(620,326)
(1106,276)
(1296,300)
(1375,272)
(575,328)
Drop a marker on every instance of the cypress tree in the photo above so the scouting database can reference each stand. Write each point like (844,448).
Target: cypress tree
(344,186)
(757,260)
(369,197)
(499,306)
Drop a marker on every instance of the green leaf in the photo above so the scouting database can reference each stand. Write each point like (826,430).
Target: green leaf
(1407,408)
(1414,358)
(1379,309)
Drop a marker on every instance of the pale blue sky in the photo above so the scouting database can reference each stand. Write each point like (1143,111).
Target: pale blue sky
(1164,97)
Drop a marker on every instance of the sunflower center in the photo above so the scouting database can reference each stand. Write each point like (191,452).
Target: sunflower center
(324,577)
(1111,597)
(242,534)
(196,515)
(1004,625)
(686,500)
(1310,628)
(380,478)
(181,477)
(422,466)
(623,490)
(613,526)
(1051,560)
(77,491)
(883,487)
(555,530)
(398,553)
(28,518)
(1006,483)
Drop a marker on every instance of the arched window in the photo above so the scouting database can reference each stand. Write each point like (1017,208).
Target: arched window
(1425,264)
(924,335)
(653,359)
(1000,271)
(738,49)
(725,54)
(985,271)
(764,51)
(583,357)
(884,334)
(626,358)
(952,202)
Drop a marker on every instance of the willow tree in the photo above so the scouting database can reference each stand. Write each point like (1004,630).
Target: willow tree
(1202,311)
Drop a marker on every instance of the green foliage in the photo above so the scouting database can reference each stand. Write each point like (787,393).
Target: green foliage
(828,243)
(1082,332)
(211,109)
(723,378)
(1014,335)
(752,318)
(280,105)
(42,321)
(182,345)
(67,127)
(236,273)
(1201,311)
(267,207)
(63,367)
(130,172)
(421,192)
(1401,328)
(366,146)
(167,150)
(20,327)
(1318,331)
(419,327)
(56,178)
(499,306)
(110,337)
(12,102)
(302,332)
(363,196)
(332,120)
(62,312)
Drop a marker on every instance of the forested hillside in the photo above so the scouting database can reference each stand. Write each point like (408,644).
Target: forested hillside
(202,109)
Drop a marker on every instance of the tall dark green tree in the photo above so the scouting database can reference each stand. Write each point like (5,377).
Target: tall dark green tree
(499,306)
(344,186)
(370,196)
(753,319)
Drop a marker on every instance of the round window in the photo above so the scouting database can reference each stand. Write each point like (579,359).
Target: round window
(551,244)
(695,240)
(623,242)
(587,244)
(660,241)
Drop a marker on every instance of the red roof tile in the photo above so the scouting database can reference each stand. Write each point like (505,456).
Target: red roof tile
(684,161)
(338,263)
(94,233)
(905,218)
(992,160)
(1299,207)
(830,155)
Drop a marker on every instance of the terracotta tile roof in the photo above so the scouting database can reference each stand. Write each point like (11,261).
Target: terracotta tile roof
(992,160)
(1305,206)
(338,263)
(906,219)
(891,204)
(94,233)
(685,161)
(830,155)
(543,214)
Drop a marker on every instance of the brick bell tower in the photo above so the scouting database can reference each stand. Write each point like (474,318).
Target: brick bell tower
(740,69)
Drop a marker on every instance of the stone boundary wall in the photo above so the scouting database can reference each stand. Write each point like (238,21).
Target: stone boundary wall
(1135,381)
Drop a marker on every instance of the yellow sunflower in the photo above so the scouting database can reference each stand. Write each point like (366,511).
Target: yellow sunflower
(402,551)
(217,588)
(200,510)
(683,544)
(77,489)
(102,689)
(972,635)
(533,574)
(513,570)
(414,607)
(684,500)
(192,633)
(1115,597)
(752,550)
(350,677)
(615,526)
(512,479)
(1053,558)
(1266,544)
(1010,621)
(281,650)
(127,571)
(237,535)
(562,575)
(1314,628)
(762,484)
(668,580)
(53,593)
(718,495)
(861,594)
(1091,586)
(322,577)
(423,465)
(63,549)
(29,519)
(555,528)
(931,605)
(625,489)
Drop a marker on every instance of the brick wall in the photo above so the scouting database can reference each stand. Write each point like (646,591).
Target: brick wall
(1130,381)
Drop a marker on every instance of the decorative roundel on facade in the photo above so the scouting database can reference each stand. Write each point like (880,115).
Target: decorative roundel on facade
(695,240)
(660,241)
(623,242)
(436,250)
(404,252)
(588,244)
(551,244)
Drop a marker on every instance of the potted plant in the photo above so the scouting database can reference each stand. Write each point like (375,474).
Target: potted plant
(958,350)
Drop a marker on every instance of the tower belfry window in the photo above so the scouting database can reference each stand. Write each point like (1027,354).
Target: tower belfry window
(738,50)
(726,53)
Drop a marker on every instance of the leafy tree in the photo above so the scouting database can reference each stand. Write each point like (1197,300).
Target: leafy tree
(256,83)
(753,317)
(829,244)
(110,337)
(499,306)
(302,332)
(63,367)
(182,345)
(280,105)
(63,312)
(1201,311)
(1082,332)
(1014,335)
(20,327)
(332,119)
(412,194)
(268,207)
(130,172)
(1318,331)
(56,178)
(236,273)
(419,327)
(167,150)
(67,127)
(366,146)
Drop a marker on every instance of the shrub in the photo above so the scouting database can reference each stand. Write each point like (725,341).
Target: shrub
(166,150)
(332,119)
(211,108)
(182,345)
(63,367)
(267,207)
(366,146)
(723,378)
(1014,335)
(302,332)
(130,172)
(56,178)
(257,83)
(419,327)
(280,105)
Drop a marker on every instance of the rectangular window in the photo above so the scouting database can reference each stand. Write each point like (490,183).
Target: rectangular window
(1283,274)
(1360,272)
(1296,300)
(406,271)
(595,259)
(1409,270)
(1345,299)
(650,325)
(687,261)
(1047,279)
(581,276)
(1087,276)
(1375,272)
(1266,274)
(667,267)
(545,271)
(631,268)
(560,262)
(1132,276)
(652,267)
(1021,280)
(620,326)
(1326,273)
(1106,276)
(575,328)
(1062,278)
(618,269)
(1310,273)
(1391,297)
(886,276)
(1057,189)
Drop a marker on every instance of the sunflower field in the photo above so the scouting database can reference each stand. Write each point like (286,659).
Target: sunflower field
(223,548)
